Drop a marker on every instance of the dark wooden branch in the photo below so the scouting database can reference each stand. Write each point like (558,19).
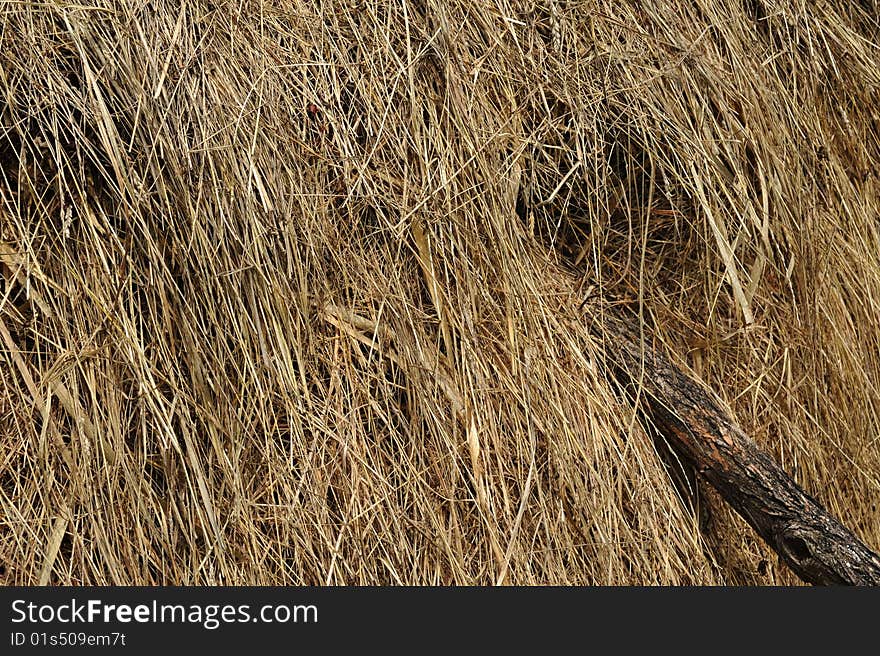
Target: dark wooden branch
(808,539)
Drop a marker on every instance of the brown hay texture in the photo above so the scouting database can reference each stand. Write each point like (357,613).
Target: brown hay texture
(300,292)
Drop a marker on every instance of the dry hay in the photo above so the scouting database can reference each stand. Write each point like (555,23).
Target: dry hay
(299,292)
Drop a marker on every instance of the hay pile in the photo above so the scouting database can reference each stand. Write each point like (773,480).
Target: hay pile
(300,293)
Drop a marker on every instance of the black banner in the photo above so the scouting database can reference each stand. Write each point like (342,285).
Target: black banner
(130,620)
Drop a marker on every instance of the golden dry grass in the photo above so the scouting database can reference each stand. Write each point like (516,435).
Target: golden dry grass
(298,292)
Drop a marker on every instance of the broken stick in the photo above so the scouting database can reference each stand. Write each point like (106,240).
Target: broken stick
(818,548)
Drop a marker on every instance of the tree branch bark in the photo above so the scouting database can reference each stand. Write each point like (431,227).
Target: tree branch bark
(818,548)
